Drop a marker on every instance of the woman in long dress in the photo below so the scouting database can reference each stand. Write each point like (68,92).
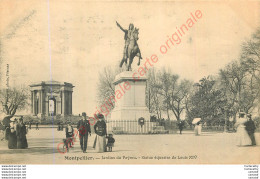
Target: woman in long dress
(21,135)
(7,131)
(243,138)
(197,129)
(101,131)
(12,139)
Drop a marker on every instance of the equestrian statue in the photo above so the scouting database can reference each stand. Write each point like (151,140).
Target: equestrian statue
(131,48)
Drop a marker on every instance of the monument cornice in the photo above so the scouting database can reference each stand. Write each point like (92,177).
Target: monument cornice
(128,76)
(51,83)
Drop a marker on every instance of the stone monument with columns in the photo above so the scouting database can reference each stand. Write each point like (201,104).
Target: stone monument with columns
(51,98)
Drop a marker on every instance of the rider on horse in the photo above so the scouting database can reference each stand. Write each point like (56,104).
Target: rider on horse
(127,37)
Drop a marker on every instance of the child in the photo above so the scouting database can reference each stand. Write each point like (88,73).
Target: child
(69,135)
(110,142)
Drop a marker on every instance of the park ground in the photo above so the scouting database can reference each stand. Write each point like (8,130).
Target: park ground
(209,148)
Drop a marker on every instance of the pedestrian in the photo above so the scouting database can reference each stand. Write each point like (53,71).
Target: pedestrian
(101,131)
(181,126)
(30,125)
(7,131)
(12,139)
(2,131)
(243,138)
(84,130)
(37,125)
(69,134)
(197,129)
(21,135)
(26,126)
(61,126)
(250,128)
(110,142)
(58,126)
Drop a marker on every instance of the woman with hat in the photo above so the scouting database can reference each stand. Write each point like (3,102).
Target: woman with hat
(21,135)
(12,139)
(197,129)
(101,131)
(243,138)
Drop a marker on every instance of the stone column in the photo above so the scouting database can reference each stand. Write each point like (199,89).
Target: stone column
(46,105)
(32,102)
(63,110)
(71,102)
(40,102)
(68,102)
(59,105)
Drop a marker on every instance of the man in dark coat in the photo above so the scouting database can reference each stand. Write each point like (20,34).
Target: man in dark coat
(84,130)
(21,135)
(250,128)
(181,126)
(37,125)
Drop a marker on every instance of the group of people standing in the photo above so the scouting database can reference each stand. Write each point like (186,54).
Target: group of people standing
(197,127)
(84,129)
(245,130)
(16,134)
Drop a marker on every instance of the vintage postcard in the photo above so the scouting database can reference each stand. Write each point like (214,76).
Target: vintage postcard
(129,82)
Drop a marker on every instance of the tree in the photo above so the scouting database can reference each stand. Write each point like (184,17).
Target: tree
(207,102)
(250,61)
(179,95)
(250,57)
(171,92)
(106,88)
(241,87)
(154,100)
(232,78)
(167,82)
(13,99)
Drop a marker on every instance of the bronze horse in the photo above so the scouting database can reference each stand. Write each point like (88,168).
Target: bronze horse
(132,50)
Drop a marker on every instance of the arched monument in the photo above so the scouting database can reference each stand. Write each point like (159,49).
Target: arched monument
(51,98)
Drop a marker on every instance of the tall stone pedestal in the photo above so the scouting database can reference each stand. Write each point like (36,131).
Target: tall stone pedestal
(131,106)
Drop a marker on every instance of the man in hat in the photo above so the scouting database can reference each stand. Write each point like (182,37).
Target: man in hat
(181,126)
(84,130)
(250,128)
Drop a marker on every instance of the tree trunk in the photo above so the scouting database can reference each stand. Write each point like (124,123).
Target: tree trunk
(168,115)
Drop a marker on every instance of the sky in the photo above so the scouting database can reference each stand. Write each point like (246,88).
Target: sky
(72,41)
